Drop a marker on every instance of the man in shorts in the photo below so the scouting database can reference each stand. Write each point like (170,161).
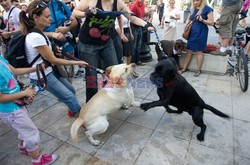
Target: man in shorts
(228,22)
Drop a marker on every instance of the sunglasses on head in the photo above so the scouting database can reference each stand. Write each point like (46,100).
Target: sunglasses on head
(41,4)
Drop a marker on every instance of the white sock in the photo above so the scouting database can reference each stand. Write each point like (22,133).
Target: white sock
(223,49)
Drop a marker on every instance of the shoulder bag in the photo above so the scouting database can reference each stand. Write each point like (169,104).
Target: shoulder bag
(187,28)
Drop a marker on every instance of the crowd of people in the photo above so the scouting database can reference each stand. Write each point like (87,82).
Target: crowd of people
(90,32)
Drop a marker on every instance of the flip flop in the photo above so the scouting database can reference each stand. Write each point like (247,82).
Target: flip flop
(197,73)
(182,71)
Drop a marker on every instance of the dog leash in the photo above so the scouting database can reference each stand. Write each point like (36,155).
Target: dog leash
(159,44)
(89,66)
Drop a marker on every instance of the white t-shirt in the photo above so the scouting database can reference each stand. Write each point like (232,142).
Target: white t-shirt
(32,41)
(125,21)
(168,13)
(13,22)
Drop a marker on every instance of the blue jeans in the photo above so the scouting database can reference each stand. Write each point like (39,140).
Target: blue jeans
(137,31)
(92,55)
(63,90)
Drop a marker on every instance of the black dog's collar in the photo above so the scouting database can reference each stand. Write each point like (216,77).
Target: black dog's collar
(166,84)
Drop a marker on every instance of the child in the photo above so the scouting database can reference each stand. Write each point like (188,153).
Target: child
(17,117)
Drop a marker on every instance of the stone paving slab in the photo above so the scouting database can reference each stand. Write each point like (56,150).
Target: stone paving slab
(163,149)
(70,155)
(125,145)
(84,144)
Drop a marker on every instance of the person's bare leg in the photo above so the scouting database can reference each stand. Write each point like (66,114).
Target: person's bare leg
(187,60)
(199,60)
(225,42)
(248,48)
(36,153)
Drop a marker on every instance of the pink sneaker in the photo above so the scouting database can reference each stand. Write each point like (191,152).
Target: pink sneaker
(23,150)
(70,114)
(45,159)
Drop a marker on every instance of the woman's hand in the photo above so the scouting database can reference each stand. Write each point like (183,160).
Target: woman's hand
(5,34)
(62,29)
(199,18)
(91,12)
(151,28)
(59,36)
(124,38)
(82,63)
(30,92)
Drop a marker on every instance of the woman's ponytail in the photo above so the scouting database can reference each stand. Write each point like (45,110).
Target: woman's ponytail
(26,23)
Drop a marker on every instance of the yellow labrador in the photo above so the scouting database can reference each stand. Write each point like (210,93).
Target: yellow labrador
(117,92)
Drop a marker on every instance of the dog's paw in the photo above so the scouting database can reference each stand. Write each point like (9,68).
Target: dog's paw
(200,137)
(145,106)
(136,104)
(95,142)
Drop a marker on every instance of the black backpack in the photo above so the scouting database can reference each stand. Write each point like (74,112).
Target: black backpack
(16,54)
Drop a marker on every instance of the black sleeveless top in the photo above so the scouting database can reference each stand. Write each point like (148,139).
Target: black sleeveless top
(96,30)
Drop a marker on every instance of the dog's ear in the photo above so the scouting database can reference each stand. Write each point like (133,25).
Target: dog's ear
(108,69)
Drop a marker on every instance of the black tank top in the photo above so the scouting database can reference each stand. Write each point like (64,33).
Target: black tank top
(96,30)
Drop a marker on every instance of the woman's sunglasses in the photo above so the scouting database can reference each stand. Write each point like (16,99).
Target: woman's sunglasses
(40,5)
(67,3)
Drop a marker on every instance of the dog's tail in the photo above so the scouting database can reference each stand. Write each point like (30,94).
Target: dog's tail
(215,111)
(74,128)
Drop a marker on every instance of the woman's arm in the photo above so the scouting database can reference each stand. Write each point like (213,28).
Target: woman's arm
(121,6)
(210,19)
(20,71)
(29,92)
(79,11)
(47,54)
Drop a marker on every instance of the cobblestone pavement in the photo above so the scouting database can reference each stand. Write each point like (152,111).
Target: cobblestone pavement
(144,138)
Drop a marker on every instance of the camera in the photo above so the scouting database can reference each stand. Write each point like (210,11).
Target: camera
(67,22)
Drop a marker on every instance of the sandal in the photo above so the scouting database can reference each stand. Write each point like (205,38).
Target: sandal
(182,71)
(197,73)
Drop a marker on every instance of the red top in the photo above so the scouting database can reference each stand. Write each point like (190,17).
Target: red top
(138,9)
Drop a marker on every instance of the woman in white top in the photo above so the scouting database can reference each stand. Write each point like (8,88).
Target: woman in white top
(171,15)
(36,43)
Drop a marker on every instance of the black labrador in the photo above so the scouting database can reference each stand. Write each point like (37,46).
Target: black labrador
(176,91)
